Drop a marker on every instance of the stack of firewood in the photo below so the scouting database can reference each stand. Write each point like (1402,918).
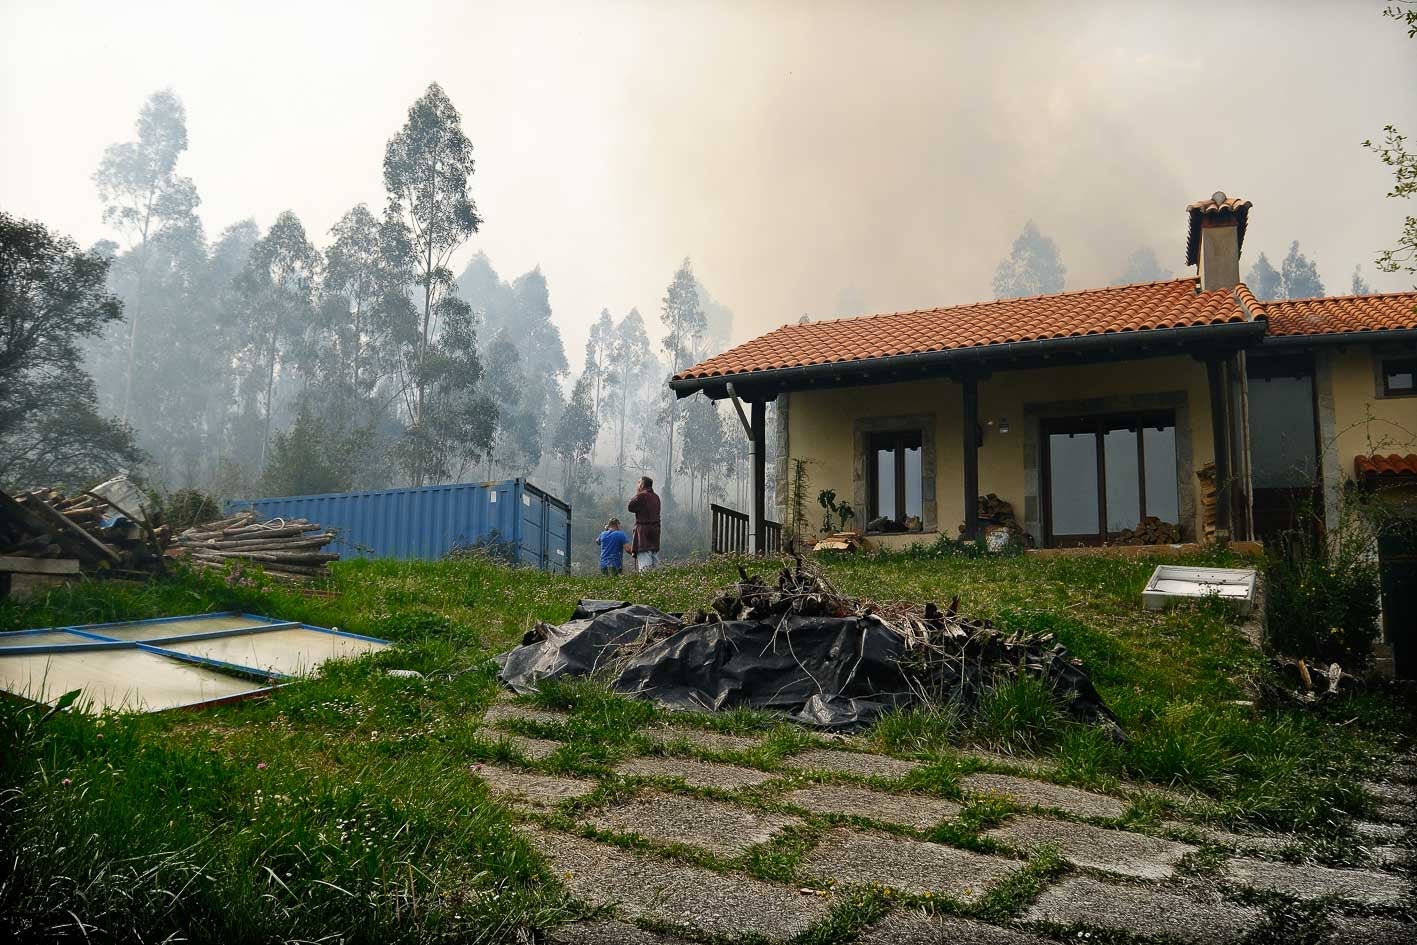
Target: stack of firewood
(1151,531)
(995,513)
(1206,474)
(286,549)
(45,523)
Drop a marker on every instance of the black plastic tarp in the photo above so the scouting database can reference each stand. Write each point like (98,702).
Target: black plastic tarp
(827,672)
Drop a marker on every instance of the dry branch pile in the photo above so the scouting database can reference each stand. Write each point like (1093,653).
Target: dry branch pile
(45,523)
(801,647)
(286,549)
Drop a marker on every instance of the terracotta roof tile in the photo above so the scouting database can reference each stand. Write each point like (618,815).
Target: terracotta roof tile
(1140,307)
(1342,314)
(1222,210)
(1383,467)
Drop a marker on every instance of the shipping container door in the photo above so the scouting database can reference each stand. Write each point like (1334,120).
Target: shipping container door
(533,509)
(558,537)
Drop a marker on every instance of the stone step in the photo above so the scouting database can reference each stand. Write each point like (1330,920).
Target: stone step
(904,927)
(687,897)
(908,810)
(855,763)
(1026,792)
(1115,851)
(1195,916)
(724,829)
(694,772)
(531,790)
(1311,882)
(852,857)
(702,739)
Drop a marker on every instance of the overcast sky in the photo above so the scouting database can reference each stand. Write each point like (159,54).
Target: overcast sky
(799,152)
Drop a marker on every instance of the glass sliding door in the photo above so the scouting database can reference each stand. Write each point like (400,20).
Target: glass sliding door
(1105,474)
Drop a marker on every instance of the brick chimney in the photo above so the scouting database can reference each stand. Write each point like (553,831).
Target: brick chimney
(1217,234)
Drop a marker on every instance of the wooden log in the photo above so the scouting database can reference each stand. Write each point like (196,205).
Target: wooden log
(88,545)
(280,544)
(294,557)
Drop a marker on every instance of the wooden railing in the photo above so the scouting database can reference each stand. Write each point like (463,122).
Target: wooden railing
(730,529)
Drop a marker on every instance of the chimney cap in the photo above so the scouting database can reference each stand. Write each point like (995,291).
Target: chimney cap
(1220,209)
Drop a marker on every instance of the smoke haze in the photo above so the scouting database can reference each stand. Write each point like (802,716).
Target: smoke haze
(810,157)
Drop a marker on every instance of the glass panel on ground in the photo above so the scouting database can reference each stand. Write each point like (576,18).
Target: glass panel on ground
(48,638)
(885,482)
(1162,498)
(1283,453)
(1072,483)
(913,483)
(293,652)
(1123,479)
(159,629)
(117,680)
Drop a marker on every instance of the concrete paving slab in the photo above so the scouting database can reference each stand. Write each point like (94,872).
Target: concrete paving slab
(909,810)
(503,712)
(1397,813)
(702,739)
(1404,772)
(1029,793)
(1393,856)
(1116,851)
(1245,842)
(694,772)
(1310,882)
(1198,915)
(721,828)
(1027,763)
(609,932)
(1369,830)
(857,763)
(1389,791)
(1370,930)
(852,857)
(533,749)
(688,897)
(535,790)
(907,927)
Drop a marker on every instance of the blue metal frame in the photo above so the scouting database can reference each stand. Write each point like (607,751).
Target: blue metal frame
(95,641)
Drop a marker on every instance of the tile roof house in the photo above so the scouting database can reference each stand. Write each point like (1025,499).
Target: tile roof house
(1189,401)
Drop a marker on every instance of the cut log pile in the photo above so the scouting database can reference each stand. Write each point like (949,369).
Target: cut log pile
(1206,474)
(997,514)
(1151,531)
(45,523)
(286,549)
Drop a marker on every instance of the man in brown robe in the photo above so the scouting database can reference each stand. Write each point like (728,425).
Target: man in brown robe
(645,543)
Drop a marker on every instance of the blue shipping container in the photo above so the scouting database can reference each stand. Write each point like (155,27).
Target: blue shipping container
(430,521)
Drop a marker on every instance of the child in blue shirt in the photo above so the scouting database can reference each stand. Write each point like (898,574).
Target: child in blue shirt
(612,544)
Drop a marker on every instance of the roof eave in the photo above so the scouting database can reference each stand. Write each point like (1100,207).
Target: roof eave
(1374,336)
(1234,334)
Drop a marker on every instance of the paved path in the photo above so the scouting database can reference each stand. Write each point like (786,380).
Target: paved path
(677,843)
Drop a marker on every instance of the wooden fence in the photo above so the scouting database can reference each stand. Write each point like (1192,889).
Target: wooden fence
(730,529)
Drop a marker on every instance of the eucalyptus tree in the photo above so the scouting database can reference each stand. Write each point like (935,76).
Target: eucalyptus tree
(684,324)
(1300,275)
(1033,266)
(426,169)
(1142,266)
(1264,280)
(575,436)
(277,285)
(143,195)
(599,349)
(365,315)
(629,363)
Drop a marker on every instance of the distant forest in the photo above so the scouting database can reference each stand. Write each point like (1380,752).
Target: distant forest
(279,362)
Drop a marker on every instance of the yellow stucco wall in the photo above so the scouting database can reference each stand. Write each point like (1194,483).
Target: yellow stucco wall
(821,424)
(1363,422)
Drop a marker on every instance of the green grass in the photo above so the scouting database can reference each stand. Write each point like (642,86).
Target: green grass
(343,804)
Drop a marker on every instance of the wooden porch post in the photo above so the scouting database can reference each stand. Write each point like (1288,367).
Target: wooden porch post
(970,454)
(1219,432)
(758,447)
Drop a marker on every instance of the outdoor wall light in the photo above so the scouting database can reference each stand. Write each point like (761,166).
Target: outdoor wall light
(1003,424)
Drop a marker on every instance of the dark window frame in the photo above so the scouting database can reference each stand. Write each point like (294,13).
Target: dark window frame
(898,441)
(1408,365)
(1097,425)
